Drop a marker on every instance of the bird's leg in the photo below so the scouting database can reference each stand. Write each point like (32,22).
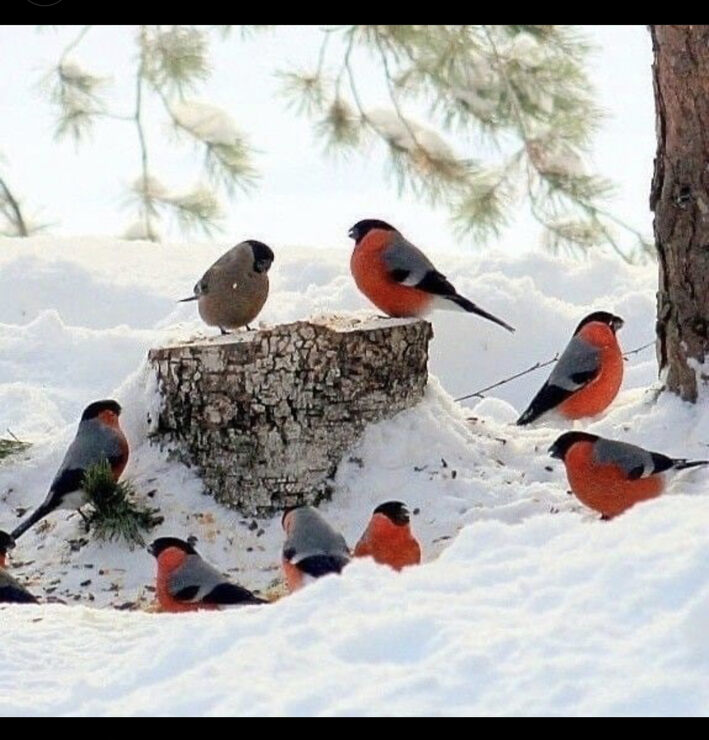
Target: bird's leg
(605,518)
(223,330)
(248,328)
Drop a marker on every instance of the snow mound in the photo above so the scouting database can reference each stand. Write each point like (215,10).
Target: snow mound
(526,603)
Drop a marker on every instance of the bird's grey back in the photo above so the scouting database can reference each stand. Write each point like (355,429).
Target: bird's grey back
(401,254)
(578,357)
(312,535)
(195,572)
(627,456)
(94,442)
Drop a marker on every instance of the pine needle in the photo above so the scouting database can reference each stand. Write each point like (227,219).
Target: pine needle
(115,513)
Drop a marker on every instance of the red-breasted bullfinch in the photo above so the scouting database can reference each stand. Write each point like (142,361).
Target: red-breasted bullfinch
(398,278)
(11,592)
(587,376)
(186,583)
(610,476)
(98,438)
(388,538)
(312,547)
(234,289)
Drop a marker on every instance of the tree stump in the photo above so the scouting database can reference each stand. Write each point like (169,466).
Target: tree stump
(267,415)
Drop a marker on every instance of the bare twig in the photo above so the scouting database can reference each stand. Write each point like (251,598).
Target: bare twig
(537,366)
(638,349)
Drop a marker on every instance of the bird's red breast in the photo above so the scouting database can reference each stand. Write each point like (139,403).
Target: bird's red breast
(110,419)
(595,397)
(169,560)
(605,487)
(370,274)
(388,543)
(293,575)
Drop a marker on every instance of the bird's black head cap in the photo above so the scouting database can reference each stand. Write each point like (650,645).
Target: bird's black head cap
(362,228)
(603,317)
(95,408)
(162,543)
(396,511)
(566,440)
(263,255)
(7,542)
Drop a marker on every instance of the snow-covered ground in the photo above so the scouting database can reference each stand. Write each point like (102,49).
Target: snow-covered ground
(526,603)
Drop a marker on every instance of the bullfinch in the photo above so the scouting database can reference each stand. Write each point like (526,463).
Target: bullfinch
(398,278)
(186,583)
(98,438)
(312,547)
(11,592)
(388,537)
(610,476)
(587,376)
(234,289)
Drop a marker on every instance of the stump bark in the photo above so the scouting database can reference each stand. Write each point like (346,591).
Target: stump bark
(267,415)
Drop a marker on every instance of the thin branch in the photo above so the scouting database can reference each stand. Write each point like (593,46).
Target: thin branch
(537,366)
(68,49)
(141,134)
(19,221)
(638,349)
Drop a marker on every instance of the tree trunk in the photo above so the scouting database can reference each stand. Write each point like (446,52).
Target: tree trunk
(680,201)
(267,415)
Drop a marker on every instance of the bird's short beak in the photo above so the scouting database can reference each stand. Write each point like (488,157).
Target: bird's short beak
(263,265)
(350,233)
(618,323)
(151,548)
(553,451)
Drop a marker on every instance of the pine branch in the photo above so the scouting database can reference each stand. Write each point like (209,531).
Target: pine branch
(14,216)
(115,514)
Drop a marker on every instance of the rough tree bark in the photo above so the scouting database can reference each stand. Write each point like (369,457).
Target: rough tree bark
(266,416)
(680,201)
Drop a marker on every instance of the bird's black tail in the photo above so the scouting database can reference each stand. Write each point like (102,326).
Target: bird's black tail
(470,307)
(682,464)
(39,513)
(191,298)
(547,398)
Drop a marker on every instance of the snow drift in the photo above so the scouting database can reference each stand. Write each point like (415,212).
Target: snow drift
(526,603)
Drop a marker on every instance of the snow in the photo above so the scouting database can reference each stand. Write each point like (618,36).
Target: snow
(526,602)
(206,122)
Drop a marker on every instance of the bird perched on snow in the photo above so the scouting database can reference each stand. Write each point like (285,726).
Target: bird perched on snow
(98,438)
(186,583)
(312,547)
(388,537)
(233,290)
(398,278)
(11,592)
(7,543)
(587,376)
(610,476)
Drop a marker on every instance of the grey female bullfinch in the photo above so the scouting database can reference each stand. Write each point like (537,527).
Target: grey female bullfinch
(234,289)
